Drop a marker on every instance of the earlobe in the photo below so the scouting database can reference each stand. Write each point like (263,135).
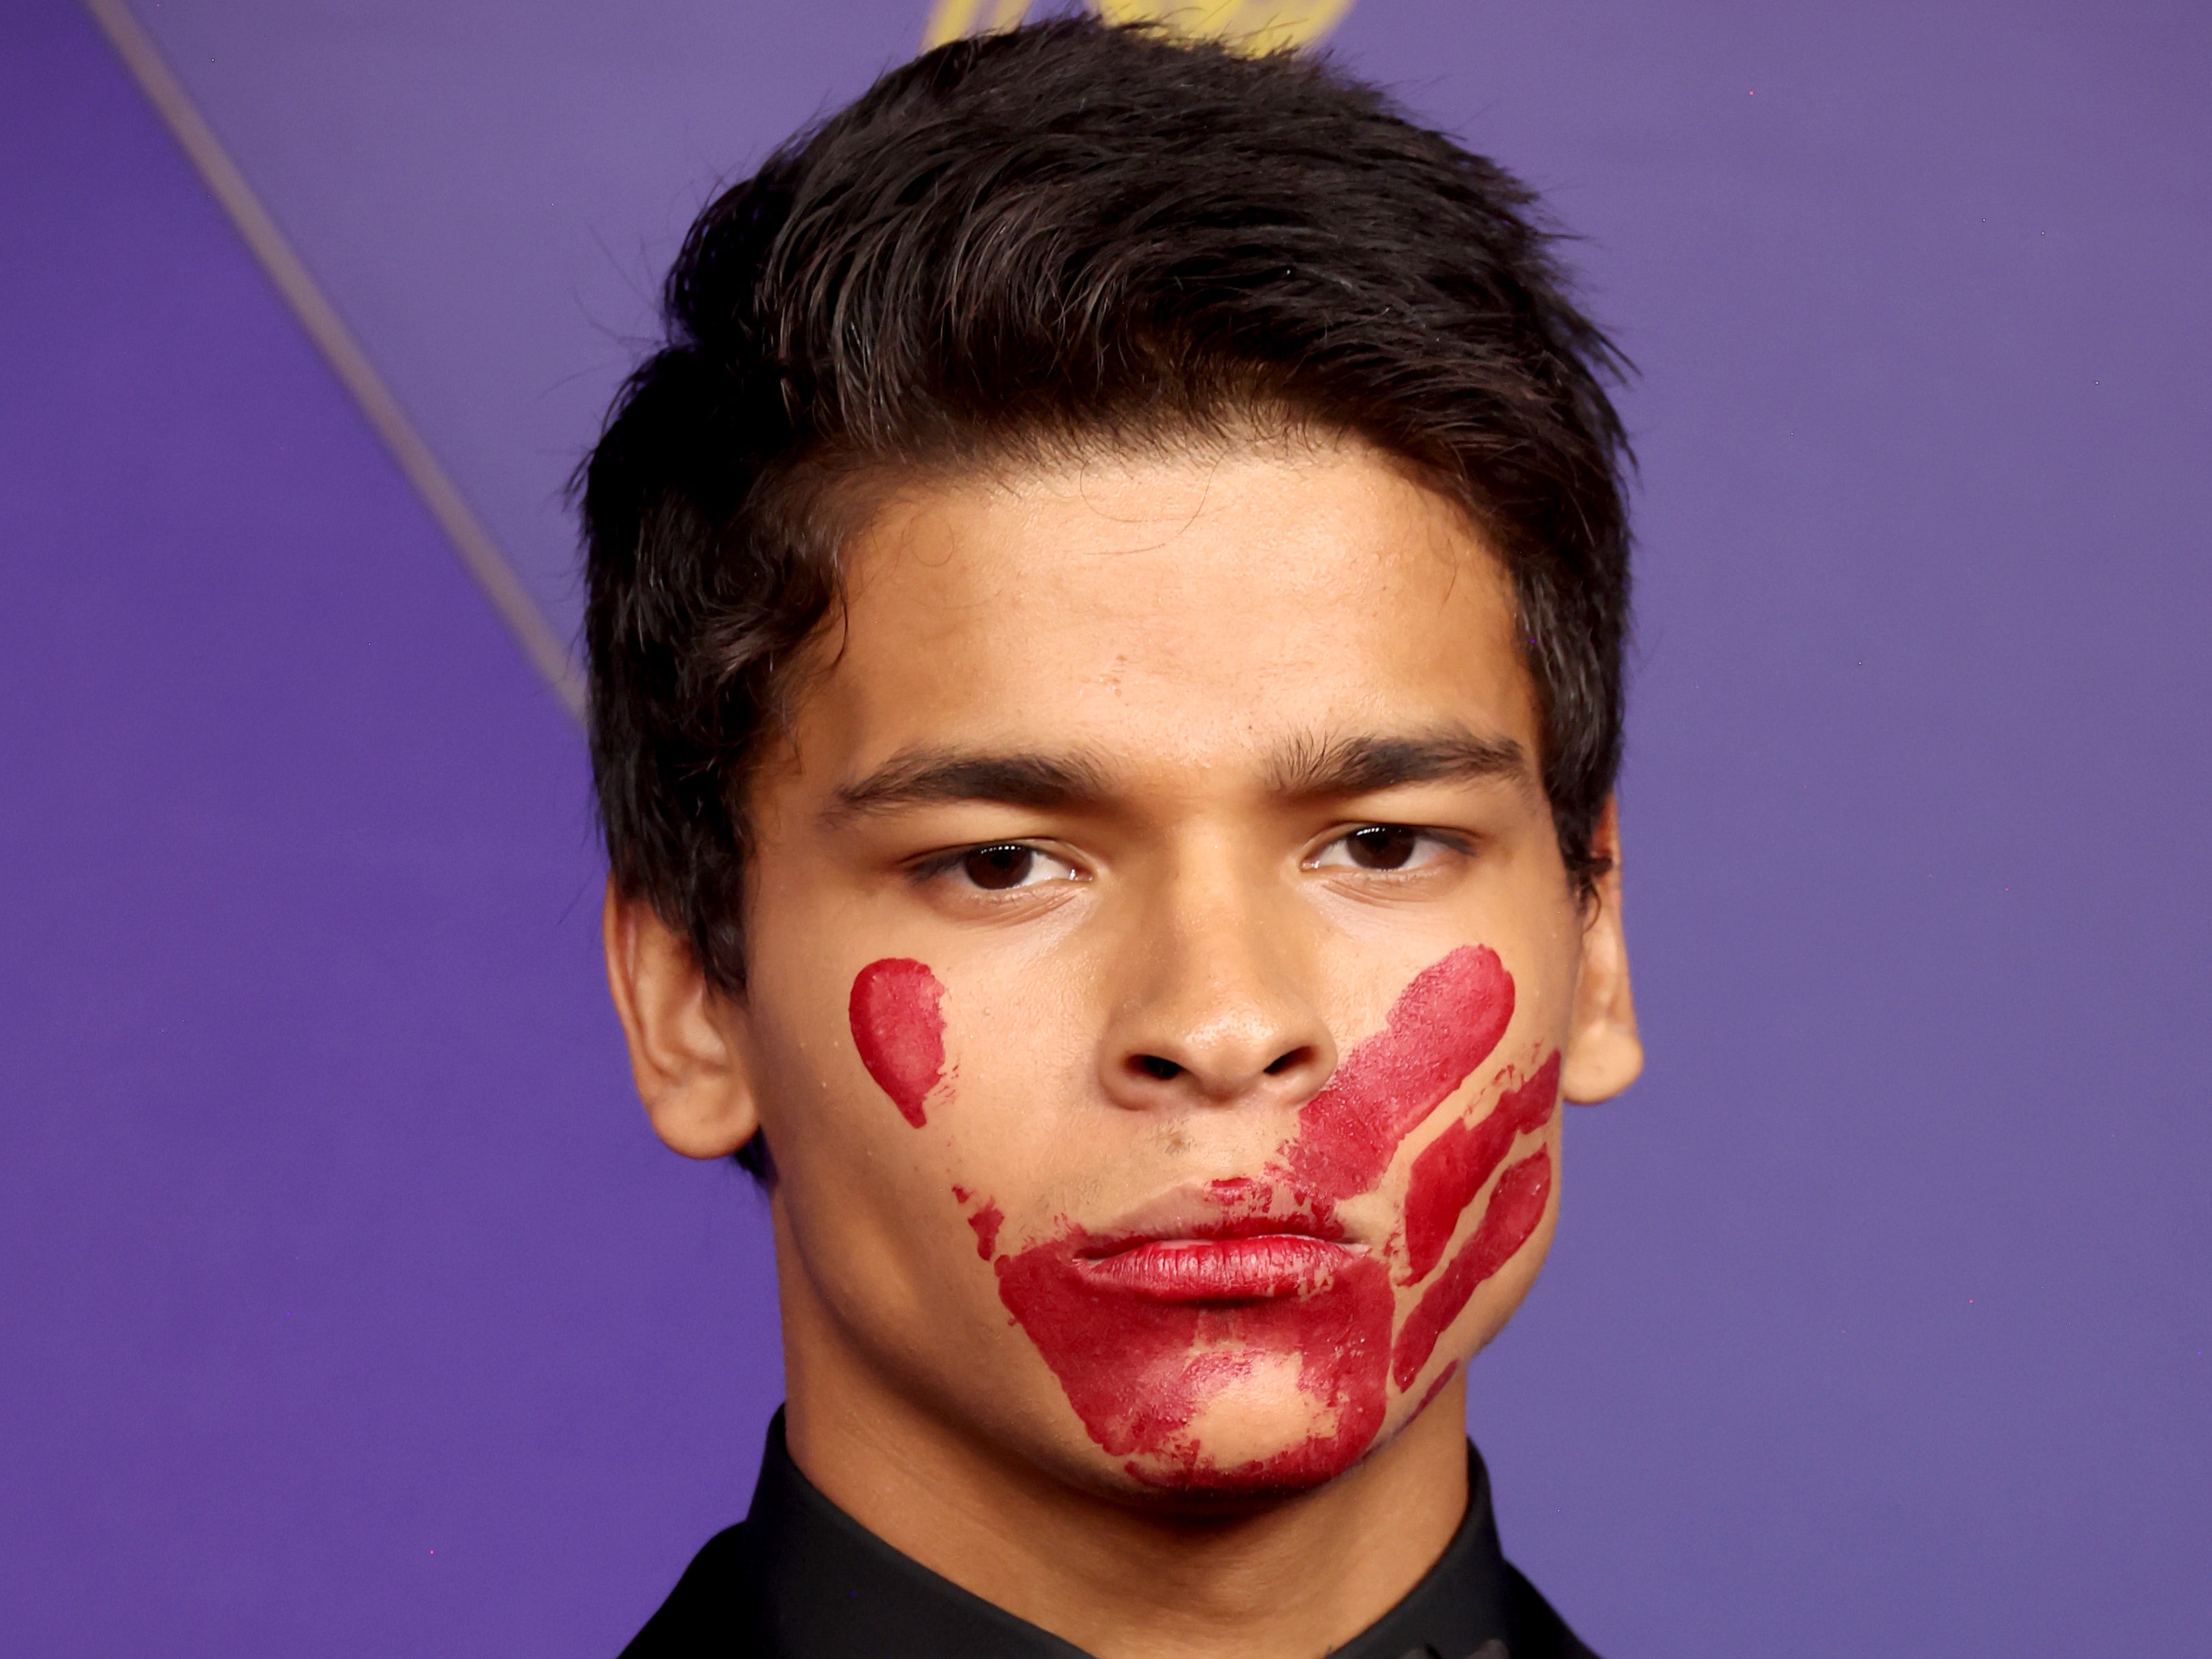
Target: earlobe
(1604,1054)
(687,1049)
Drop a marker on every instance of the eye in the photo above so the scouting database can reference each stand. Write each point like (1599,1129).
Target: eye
(1385,847)
(1003,867)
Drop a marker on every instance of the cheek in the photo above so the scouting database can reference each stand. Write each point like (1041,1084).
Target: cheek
(1443,1379)
(985,1218)
(1446,1179)
(1514,1213)
(1444,1026)
(1456,1165)
(898,1026)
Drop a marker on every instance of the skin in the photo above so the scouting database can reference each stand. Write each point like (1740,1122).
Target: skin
(1191,949)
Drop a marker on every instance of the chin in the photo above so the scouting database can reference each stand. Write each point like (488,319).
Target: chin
(1203,1479)
(1273,1395)
(1269,1439)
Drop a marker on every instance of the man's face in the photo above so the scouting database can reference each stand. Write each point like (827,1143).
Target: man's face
(1162,966)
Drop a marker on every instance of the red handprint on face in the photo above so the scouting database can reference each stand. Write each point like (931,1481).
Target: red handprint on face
(1145,1333)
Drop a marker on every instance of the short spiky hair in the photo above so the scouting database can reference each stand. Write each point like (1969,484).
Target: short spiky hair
(1069,232)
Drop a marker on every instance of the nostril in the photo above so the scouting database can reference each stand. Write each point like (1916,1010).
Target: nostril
(1156,1066)
(1283,1062)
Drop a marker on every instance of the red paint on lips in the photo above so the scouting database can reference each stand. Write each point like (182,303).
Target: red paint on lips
(899,1031)
(1221,1270)
(1515,1206)
(1442,1027)
(1452,1169)
(1140,1364)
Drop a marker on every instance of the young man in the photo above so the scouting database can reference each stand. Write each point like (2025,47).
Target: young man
(1105,621)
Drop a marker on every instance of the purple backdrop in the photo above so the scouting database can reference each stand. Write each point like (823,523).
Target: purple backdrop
(350,1307)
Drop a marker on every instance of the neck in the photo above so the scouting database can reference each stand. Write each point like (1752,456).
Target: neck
(1287,1578)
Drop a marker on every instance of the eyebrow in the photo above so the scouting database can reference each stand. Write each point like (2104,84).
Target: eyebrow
(925,777)
(1340,767)
(1365,765)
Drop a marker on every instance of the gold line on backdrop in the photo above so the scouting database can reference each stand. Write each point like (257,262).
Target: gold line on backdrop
(1252,25)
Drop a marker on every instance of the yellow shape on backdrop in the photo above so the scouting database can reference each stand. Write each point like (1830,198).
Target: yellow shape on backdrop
(1253,25)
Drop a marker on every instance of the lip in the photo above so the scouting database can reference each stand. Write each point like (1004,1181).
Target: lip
(1239,1240)
(1256,1267)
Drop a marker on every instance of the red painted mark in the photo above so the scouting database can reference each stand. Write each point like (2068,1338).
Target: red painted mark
(1516,1204)
(1143,1348)
(986,1222)
(1453,1167)
(899,1031)
(1443,1376)
(1442,1027)
(1139,1370)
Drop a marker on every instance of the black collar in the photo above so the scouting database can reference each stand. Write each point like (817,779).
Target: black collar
(801,1579)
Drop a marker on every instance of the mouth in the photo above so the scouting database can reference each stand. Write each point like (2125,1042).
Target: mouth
(1255,1269)
(1222,1242)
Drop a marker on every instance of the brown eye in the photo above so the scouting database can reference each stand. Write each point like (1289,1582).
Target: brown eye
(1382,847)
(994,869)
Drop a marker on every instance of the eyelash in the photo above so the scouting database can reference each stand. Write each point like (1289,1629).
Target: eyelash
(945,863)
(1444,840)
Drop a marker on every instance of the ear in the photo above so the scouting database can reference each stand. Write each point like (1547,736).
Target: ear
(1603,1053)
(687,1041)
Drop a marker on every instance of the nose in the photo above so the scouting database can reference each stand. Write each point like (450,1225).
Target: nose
(1213,1009)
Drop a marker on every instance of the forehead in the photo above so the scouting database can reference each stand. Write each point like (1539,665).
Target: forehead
(1167,608)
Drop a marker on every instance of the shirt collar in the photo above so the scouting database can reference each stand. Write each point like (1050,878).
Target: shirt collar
(819,1583)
